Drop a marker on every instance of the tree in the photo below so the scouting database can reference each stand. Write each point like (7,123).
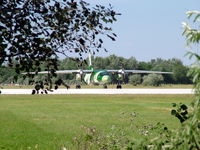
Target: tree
(6,75)
(152,80)
(135,79)
(114,62)
(144,66)
(99,63)
(180,74)
(131,63)
(172,65)
(33,32)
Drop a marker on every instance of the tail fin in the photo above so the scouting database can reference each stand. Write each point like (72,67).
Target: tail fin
(90,61)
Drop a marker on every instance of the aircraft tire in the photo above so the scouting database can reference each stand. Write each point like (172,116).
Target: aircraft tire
(119,86)
(105,86)
(78,86)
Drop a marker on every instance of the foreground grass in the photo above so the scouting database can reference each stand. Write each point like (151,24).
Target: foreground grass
(48,122)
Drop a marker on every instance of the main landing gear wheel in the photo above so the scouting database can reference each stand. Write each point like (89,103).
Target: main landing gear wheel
(119,86)
(105,86)
(78,86)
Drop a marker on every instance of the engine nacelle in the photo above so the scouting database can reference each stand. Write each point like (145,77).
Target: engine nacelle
(120,76)
(78,76)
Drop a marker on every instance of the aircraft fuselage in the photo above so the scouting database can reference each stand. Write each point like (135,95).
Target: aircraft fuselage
(98,77)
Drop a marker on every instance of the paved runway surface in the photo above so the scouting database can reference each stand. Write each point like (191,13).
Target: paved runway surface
(102,91)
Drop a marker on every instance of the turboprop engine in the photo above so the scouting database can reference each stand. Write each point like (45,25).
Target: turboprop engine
(79,75)
(121,74)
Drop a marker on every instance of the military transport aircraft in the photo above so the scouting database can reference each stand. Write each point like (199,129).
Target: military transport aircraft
(100,77)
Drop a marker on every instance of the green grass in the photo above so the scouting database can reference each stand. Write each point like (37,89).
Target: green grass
(48,122)
(128,86)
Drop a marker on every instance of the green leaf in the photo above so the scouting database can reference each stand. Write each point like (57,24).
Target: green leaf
(173,112)
(184,107)
(174,104)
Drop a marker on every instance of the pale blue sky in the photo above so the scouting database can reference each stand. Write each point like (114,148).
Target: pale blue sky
(149,29)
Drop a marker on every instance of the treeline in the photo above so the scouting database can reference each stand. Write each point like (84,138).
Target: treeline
(172,65)
(111,62)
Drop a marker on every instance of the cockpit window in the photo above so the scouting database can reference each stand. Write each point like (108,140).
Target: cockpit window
(103,73)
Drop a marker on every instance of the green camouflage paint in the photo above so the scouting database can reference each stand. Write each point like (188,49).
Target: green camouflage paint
(97,77)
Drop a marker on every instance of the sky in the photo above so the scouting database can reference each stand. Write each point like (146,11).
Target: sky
(149,29)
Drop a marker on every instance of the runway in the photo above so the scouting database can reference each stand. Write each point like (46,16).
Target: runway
(102,91)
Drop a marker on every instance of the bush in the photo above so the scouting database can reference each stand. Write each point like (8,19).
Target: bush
(152,80)
(135,79)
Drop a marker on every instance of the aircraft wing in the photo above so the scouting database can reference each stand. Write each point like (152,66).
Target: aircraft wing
(62,72)
(138,71)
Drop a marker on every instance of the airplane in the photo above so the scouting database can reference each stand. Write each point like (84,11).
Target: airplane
(100,77)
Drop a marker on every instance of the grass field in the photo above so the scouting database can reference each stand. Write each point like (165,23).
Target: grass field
(167,86)
(48,122)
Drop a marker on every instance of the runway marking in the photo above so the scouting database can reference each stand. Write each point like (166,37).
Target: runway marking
(103,91)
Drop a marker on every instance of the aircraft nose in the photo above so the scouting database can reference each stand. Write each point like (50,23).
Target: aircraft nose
(106,78)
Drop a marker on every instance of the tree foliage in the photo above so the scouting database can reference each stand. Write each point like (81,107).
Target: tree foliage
(152,80)
(135,79)
(6,75)
(34,31)
(191,131)
(192,34)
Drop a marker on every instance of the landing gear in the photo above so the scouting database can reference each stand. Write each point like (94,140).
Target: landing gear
(78,86)
(119,86)
(105,86)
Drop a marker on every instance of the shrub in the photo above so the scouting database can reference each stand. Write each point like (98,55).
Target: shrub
(135,79)
(152,80)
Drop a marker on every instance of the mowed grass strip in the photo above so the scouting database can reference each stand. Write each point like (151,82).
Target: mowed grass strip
(48,122)
(112,86)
